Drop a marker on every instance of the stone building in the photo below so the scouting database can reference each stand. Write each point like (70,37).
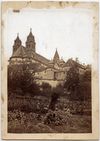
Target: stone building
(50,71)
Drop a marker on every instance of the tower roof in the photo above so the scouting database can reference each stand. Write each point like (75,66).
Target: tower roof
(56,56)
(17,40)
(30,36)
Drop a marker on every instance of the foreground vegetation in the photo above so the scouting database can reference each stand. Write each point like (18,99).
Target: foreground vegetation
(28,115)
(34,108)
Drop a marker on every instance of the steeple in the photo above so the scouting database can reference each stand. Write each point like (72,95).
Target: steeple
(30,43)
(17,43)
(17,40)
(56,56)
(31,30)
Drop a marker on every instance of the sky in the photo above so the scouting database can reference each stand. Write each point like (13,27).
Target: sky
(69,30)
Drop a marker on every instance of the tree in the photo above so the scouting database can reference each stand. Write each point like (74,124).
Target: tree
(79,88)
(21,78)
(72,81)
(85,85)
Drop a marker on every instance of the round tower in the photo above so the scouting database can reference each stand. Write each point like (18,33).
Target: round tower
(30,42)
(17,43)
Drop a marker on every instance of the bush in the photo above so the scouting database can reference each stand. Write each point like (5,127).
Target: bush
(46,89)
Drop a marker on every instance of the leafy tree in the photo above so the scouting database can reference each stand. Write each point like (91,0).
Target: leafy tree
(72,81)
(21,78)
(79,88)
(85,85)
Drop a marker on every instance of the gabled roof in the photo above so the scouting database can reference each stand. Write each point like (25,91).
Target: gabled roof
(71,62)
(20,52)
(41,59)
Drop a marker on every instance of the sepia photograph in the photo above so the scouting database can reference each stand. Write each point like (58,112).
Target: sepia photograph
(49,58)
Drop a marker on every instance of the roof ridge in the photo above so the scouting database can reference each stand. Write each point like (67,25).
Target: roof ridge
(19,52)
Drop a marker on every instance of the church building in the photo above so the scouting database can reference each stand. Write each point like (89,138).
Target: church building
(50,71)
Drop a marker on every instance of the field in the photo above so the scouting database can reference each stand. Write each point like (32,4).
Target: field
(31,115)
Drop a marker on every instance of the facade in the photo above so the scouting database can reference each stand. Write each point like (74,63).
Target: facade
(50,71)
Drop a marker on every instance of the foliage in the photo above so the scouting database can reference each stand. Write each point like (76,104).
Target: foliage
(85,85)
(72,78)
(21,79)
(21,122)
(72,82)
(46,89)
(34,108)
(78,85)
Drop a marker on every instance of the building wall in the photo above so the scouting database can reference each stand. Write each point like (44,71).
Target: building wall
(53,83)
(46,74)
(50,74)
(60,75)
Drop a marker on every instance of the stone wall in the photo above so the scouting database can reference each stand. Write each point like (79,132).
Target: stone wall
(53,83)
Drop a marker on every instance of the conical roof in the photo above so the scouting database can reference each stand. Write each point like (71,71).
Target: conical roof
(17,40)
(30,37)
(56,56)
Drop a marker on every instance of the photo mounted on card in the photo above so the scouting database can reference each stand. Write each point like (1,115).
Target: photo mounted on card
(49,70)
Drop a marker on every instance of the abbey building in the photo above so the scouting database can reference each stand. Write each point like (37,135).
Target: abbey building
(50,71)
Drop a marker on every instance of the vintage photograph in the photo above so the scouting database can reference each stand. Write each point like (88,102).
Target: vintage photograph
(47,95)
(48,48)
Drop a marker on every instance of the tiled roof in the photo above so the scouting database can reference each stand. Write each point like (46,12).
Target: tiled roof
(71,62)
(40,58)
(20,52)
(23,52)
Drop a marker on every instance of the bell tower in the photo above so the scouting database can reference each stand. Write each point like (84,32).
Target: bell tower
(30,42)
(17,43)
(56,57)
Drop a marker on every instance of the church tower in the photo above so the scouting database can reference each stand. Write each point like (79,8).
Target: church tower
(56,57)
(17,43)
(30,42)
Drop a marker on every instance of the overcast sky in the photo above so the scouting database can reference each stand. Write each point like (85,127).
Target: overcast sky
(69,30)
